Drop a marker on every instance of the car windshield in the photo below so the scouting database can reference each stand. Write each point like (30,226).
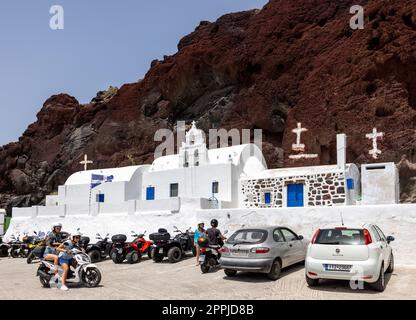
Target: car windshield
(340,237)
(248,236)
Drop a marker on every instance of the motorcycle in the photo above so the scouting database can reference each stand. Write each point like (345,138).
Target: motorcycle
(173,248)
(130,251)
(99,250)
(36,247)
(81,270)
(4,248)
(210,254)
(17,247)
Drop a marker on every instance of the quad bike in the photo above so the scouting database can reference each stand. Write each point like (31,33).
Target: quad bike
(81,270)
(100,250)
(173,248)
(130,251)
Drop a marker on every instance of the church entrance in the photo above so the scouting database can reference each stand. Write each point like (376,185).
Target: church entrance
(295,195)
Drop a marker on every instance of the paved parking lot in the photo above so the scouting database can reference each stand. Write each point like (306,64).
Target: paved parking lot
(148,280)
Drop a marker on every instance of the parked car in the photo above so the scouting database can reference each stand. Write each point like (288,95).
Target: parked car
(348,253)
(264,250)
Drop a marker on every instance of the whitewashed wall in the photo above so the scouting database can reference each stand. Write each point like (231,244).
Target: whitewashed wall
(398,220)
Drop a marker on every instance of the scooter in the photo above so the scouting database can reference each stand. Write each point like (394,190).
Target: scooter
(173,248)
(100,250)
(81,271)
(210,254)
(132,252)
(16,247)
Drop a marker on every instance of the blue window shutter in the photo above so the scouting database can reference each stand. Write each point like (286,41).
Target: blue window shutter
(267,198)
(150,193)
(350,184)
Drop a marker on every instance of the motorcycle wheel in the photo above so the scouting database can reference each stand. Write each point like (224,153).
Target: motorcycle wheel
(204,267)
(4,251)
(174,255)
(30,258)
(91,277)
(117,258)
(44,282)
(94,255)
(14,253)
(133,257)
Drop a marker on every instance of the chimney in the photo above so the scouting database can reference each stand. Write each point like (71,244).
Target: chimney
(341,150)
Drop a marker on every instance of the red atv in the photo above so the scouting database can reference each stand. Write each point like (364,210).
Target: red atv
(130,251)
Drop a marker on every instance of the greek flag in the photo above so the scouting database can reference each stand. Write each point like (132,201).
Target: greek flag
(97,179)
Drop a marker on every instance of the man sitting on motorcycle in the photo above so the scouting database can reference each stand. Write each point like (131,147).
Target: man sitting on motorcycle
(215,236)
(53,240)
(65,256)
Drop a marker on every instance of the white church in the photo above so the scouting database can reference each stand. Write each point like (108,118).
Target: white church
(221,178)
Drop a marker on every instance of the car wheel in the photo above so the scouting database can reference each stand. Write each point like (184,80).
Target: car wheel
(380,284)
(274,273)
(94,255)
(230,273)
(133,257)
(174,255)
(390,269)
(311,282)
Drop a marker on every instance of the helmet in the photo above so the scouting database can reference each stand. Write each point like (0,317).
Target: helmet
(214,223)
(55,225)
(75,234)
(201,223)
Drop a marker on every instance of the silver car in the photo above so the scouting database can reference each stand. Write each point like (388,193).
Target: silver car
(264,250)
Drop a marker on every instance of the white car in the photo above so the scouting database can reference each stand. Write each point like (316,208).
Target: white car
(344,253)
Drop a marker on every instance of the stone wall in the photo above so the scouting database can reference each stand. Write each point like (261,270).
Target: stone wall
(322,189)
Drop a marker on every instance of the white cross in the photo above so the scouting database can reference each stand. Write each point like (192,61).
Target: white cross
(298,131)
(374,136)
(85,162)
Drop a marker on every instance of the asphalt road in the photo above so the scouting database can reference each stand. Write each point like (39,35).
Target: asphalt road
(148,280)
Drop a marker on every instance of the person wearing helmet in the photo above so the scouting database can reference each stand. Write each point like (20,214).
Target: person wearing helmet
(65,256)
(53,240)
(199,232)
(215,236)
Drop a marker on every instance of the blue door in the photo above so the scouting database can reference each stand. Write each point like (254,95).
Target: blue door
(295,195)
(150,193)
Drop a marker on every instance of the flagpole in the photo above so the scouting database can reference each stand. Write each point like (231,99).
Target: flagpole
(89,204)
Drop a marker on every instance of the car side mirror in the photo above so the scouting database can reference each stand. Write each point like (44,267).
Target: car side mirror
(390,239)
(300,237)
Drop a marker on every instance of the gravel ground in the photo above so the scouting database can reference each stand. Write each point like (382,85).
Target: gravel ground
(148,280)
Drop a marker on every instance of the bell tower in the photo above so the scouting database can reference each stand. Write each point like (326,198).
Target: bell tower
(193,152)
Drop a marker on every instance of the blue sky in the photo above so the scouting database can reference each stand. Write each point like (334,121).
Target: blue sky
(104,43)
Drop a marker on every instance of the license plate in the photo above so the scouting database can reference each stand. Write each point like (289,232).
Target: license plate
(201,258)
(338,267)
(160,250)
(239,253)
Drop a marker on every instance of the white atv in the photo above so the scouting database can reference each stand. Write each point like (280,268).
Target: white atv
(81,271)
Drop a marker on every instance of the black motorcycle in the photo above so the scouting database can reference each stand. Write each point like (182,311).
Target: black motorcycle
(210,254)
(100,250)
(4,249)
(173,248)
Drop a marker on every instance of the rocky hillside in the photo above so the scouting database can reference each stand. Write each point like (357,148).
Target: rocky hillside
(292,61)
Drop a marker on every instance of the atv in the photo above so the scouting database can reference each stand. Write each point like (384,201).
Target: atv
(100,250)
(130,251)
(174,248)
